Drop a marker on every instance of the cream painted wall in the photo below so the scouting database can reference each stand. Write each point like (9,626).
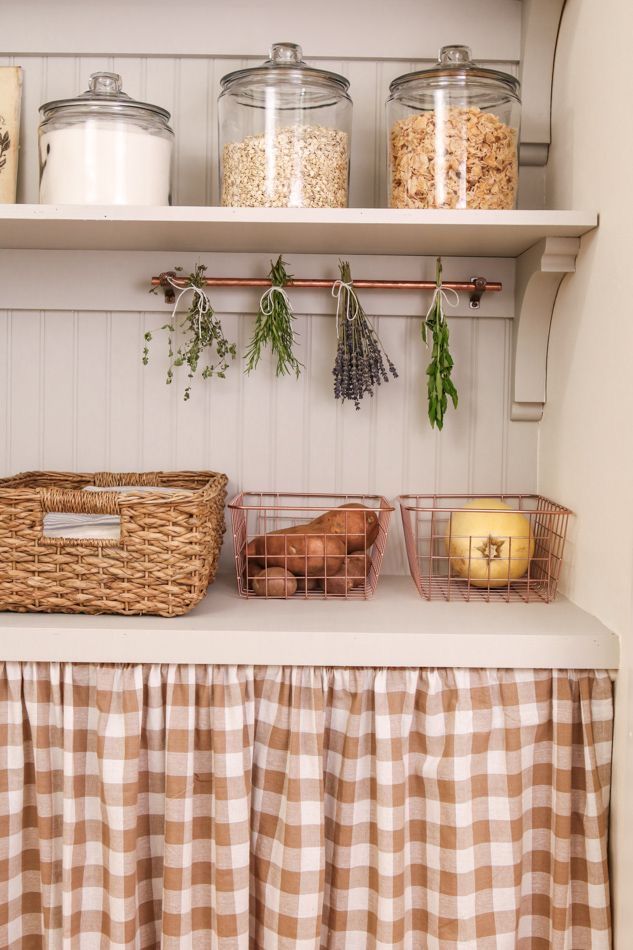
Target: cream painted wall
(586,438)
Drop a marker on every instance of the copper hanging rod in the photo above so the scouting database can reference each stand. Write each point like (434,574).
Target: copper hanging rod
(474,287)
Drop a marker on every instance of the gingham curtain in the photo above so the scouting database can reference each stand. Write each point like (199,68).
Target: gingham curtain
(271,808)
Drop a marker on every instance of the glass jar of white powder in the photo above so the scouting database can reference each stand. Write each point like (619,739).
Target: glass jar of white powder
(104,148)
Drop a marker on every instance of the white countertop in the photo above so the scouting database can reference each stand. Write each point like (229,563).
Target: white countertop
(396,628)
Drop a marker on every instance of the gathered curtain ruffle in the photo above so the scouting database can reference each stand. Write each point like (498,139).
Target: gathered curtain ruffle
(265,808)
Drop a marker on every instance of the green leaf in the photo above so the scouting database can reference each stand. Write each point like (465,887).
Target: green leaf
(439,383)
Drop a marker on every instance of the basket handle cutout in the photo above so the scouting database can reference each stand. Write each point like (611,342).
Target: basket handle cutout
(80,517)
(79,502)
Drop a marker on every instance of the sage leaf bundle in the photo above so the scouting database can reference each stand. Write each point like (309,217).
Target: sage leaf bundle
(274,325)
(360,357)
(204,340)
(439,383)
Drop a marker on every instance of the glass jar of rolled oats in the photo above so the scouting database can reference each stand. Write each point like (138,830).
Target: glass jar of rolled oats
(454,135)
(285,131)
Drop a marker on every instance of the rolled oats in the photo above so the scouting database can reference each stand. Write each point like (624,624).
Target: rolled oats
(453,158)
(298,167)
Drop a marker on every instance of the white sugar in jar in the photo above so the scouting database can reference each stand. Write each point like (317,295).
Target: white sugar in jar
(104,148)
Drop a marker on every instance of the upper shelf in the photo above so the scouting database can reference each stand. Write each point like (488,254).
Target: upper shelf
(309,231)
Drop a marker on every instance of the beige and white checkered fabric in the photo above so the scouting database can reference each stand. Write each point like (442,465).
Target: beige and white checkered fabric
(270,808)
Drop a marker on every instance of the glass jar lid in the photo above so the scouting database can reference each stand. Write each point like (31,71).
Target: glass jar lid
(104,97)
(455,67)
(285,67)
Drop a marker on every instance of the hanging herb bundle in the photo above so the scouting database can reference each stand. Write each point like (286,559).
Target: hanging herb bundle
(274,325)
(360,357)
(204,338)
(439,383)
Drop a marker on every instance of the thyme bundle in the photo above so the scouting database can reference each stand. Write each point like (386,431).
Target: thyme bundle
(274,325)
(204,336)
(360,357)
(439,383)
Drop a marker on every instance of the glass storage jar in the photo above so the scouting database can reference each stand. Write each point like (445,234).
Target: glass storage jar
(454,135)
(104,148)
(285,131)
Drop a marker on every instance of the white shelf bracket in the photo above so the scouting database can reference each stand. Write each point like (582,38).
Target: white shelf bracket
(539,273)
(539,34)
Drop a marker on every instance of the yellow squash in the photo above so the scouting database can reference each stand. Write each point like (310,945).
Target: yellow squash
(489,547)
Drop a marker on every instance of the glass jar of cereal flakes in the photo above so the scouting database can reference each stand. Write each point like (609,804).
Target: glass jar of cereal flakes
(454,135)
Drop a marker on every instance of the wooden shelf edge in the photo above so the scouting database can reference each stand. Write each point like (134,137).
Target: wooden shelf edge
(351,230)
(579,217)
(397,628)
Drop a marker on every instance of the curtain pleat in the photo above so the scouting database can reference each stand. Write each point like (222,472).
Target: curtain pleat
(265,808)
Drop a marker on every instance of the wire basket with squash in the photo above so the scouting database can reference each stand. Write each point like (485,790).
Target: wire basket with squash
(309,546)
(467,547)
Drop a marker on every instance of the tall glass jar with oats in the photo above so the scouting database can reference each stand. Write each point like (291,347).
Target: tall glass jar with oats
(454,135)
(285,132)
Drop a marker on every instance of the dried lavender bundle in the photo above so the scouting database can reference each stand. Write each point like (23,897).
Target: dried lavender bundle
(360,357)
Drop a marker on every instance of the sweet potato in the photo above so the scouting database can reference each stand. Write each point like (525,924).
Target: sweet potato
(307,583)
(358,527)
(302,554)
(352,573)
(274,582)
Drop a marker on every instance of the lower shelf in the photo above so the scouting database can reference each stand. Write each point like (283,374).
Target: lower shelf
(396,628)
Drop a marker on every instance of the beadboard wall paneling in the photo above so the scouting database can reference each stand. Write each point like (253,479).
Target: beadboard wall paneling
(188,88)
(76,396)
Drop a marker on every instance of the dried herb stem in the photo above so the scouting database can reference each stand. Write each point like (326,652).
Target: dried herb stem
(439,383)
(274,326)
(360,357)
(204,337)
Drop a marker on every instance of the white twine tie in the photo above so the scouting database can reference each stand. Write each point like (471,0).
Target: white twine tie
(201,302)
(352,304)
(442,292)
(266,304)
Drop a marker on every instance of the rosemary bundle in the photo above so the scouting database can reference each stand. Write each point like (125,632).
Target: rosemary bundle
(203,335)
(274,325)
(439,383)
(360,357)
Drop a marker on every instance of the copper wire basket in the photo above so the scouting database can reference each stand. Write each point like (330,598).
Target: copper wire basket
(440,574)
(341,561)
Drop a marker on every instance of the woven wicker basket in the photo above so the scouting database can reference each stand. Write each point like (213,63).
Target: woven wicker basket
(162,564)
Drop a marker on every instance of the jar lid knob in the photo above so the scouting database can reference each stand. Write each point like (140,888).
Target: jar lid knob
(286,54)
(105,84)
(455,55)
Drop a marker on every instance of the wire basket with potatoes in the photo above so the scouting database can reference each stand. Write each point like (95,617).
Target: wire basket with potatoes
(309,546)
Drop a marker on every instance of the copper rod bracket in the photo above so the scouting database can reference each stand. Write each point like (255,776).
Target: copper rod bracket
(476,295)
(170,293)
